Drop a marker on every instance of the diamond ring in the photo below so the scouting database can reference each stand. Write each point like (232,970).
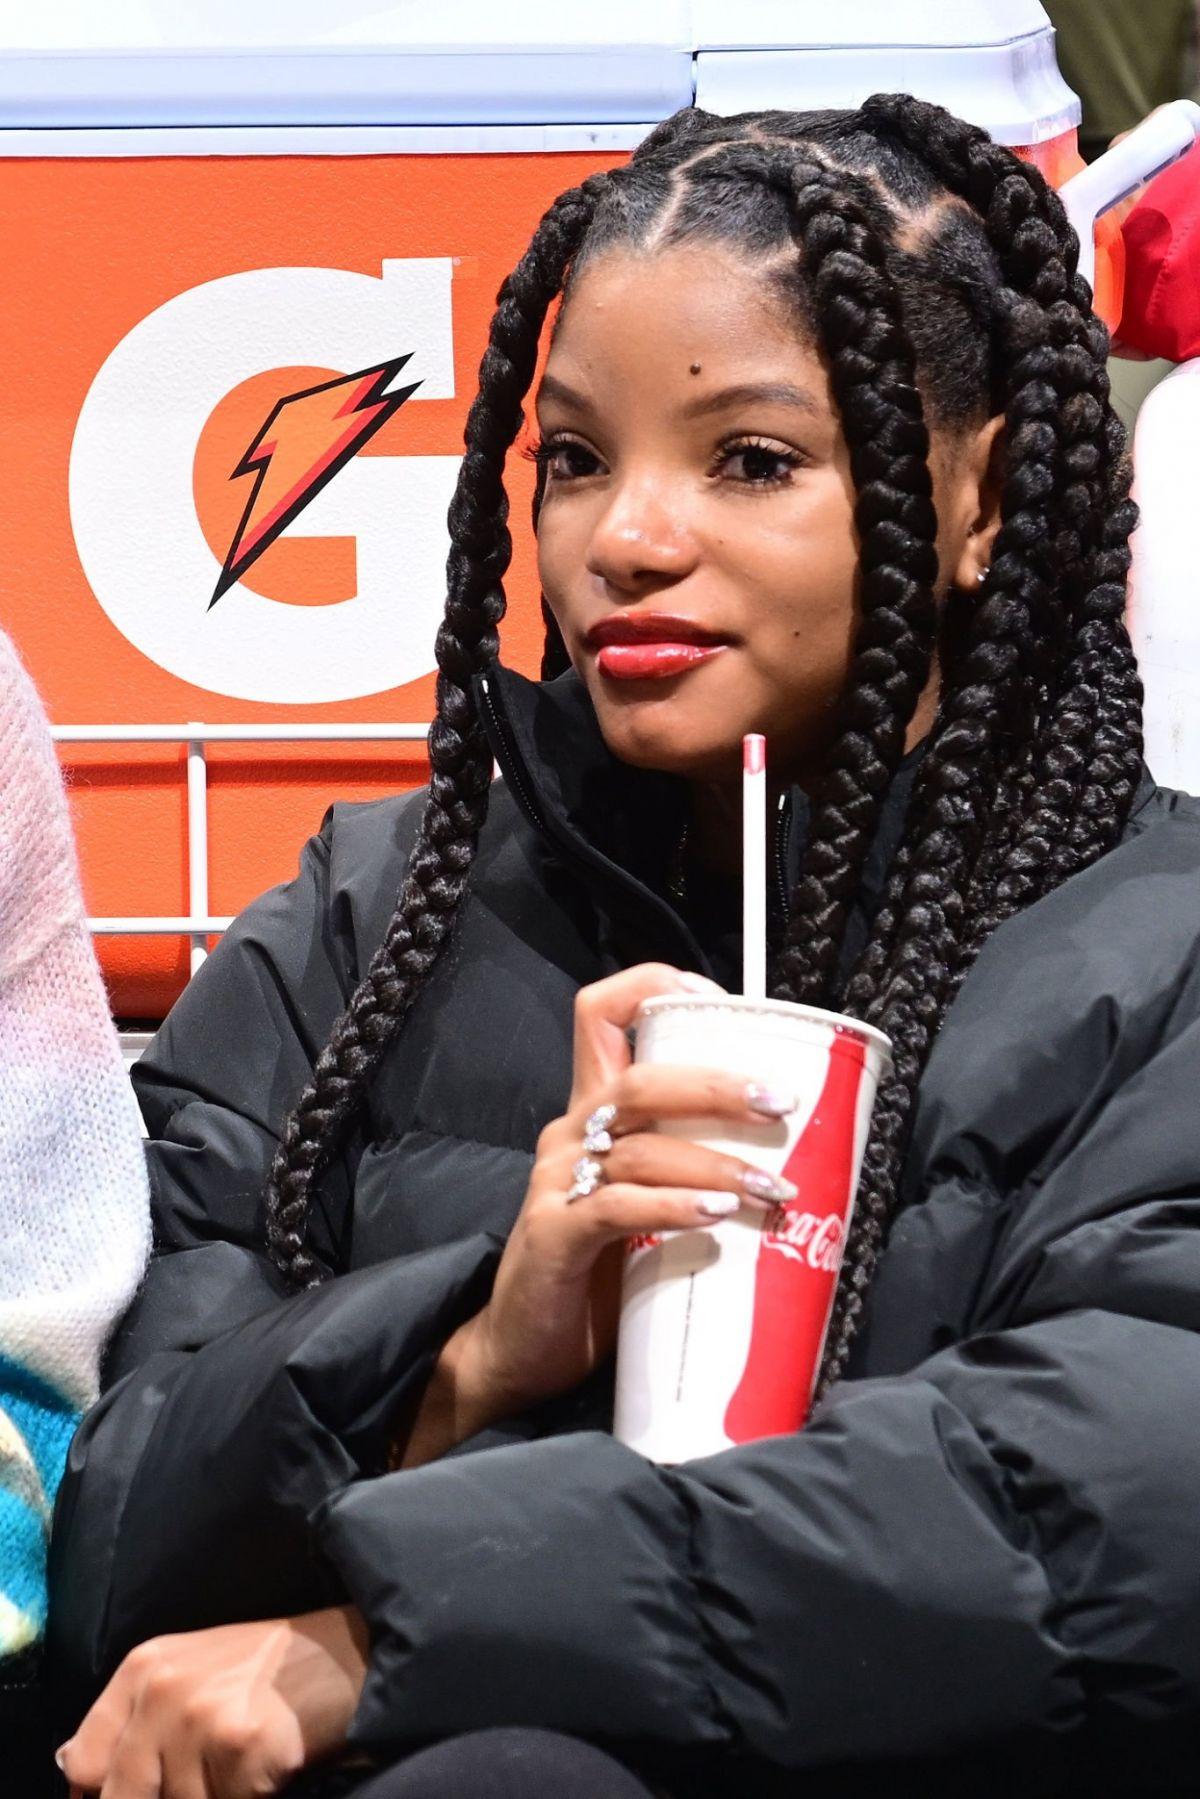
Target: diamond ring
(587,1175)
(597,1132)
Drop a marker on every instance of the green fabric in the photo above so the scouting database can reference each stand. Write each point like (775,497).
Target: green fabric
(1123,58)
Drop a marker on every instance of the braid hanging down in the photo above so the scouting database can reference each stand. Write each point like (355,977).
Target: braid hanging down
(937,274)
(460,759)
(1046,695)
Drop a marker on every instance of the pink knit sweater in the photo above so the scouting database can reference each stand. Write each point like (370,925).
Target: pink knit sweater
(74,1213)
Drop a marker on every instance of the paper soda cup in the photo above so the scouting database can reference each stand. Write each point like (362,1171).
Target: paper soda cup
(722,1328)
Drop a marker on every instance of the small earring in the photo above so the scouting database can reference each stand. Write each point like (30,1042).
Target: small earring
(982,575)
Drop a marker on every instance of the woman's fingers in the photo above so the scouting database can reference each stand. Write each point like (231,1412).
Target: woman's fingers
(605,1011)
(620,1209)
(552,1315)
(650,1183)
(136,1769)
(647,1091)
(136,1772)
(86,1758)
(226,1713)
(646,1159)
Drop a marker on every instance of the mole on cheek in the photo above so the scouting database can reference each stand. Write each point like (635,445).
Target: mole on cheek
(695,368)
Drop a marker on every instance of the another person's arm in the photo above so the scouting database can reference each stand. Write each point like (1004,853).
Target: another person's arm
(231,1407)
(74,1217)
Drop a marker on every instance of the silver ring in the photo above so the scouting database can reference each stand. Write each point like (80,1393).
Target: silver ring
(587,1175)
(597,1132)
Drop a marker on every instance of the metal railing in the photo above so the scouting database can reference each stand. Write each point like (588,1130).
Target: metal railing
(197,923)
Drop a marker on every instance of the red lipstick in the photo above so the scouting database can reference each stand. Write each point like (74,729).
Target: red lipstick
(651,646)
(654,661)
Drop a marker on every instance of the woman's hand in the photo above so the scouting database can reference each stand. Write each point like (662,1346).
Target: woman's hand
(230,1713)
(555,1306)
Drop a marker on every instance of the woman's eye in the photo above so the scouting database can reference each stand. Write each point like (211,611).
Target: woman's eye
(565,459)
(758,464)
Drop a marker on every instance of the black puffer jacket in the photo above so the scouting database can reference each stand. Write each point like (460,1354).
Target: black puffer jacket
(977,1570)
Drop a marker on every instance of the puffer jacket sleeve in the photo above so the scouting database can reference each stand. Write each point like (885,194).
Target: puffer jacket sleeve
(232,1409)
(995,1548)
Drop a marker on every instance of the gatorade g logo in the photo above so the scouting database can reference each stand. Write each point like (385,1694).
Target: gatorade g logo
(307,439)
(209,390)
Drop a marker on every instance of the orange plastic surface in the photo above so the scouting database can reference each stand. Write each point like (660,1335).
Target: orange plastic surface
(93,246)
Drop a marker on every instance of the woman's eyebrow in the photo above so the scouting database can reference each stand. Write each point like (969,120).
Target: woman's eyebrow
(742,393)
(552,388)
(749,393)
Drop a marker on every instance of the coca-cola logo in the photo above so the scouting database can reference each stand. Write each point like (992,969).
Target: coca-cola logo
(807,1238)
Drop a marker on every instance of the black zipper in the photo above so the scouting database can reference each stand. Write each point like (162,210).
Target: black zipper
(783,831)
(575,847)
(508,762)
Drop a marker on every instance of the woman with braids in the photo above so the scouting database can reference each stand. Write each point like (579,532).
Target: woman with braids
(825,396)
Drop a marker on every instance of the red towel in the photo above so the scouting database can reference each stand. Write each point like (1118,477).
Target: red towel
(1161,309)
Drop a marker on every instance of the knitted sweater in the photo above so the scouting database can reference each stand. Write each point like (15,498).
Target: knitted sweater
(74,1210)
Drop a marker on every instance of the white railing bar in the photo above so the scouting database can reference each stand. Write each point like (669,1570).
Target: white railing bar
(197,841)
(197,925)
(186,926)
(348,733)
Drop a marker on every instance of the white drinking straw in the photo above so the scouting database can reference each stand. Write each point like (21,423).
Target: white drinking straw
(754,866)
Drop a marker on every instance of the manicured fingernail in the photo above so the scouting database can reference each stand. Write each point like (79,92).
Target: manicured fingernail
(770,1101)
(718,1205)
(699,983)
(762,1185)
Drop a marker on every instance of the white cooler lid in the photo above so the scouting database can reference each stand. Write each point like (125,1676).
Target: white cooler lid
(341,62)
(823,24)
(180,63)
(990,61)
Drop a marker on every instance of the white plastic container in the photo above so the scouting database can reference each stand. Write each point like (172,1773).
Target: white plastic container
(1164,607)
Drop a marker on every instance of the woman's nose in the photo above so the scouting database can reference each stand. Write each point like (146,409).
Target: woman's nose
(639,540)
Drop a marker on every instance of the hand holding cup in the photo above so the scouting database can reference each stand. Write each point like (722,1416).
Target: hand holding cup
(555,1307)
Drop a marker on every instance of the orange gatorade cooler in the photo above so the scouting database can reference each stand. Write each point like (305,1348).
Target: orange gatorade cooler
(250,259)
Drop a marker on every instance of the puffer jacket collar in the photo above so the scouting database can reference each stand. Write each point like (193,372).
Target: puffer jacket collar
(622,824)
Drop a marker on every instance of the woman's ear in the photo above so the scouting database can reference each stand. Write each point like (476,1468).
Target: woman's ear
(981,472)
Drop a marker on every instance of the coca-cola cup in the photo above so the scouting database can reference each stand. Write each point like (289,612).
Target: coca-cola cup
(722,1328)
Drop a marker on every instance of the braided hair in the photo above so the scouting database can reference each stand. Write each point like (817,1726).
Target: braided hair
(936,274)
(459,756)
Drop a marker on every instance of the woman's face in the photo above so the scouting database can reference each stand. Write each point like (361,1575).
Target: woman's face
(696,540)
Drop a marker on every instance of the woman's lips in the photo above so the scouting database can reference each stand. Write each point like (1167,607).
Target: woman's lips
(657,661)
(652,646)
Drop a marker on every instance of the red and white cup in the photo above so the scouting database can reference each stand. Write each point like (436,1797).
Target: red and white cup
(722,1328)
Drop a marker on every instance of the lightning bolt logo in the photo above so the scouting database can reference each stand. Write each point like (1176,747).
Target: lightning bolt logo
(307,438)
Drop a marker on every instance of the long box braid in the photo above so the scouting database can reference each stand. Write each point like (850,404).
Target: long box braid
(459,756)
